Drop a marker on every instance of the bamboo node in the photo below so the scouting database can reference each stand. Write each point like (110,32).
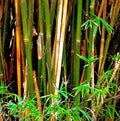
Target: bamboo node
(72,52)
(1,76)
(26,40)
(78,41)
(41,34)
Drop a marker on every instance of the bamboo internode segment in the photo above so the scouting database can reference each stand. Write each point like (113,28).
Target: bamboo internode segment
(18,50)
(60,43)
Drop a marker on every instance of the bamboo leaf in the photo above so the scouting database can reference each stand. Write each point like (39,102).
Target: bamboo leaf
(83,58)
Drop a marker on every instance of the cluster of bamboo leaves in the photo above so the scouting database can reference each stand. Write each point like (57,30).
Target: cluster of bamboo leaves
(54,57)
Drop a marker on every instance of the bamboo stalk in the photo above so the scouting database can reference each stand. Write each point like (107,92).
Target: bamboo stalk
(65,64)
(6,9)
(116,68)
(18,38)
(101,8)
(27,47)
(91,54)
(37,93)
(48,44)
(62,37)
(25,84)
(1,56)
(39,55)
(41,23)
(72,42)
(102,36)
(91,48)
(5,22)
(1,69)
(52,11)
(57,38)
(114,15)
(30,20)
(77,48)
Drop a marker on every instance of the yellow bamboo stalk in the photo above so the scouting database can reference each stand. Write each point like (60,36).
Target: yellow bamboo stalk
(57,39)
(18,38)
(37,93)
(116,68)
(1,116)
(25,83)
(62,35)
(102,36)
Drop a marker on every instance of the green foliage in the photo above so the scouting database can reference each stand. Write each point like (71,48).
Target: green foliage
(88,60)
(16,106)
(3,88)
(96,22)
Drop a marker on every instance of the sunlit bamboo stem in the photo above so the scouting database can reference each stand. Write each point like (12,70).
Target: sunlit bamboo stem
(57,38)
(18,50)
(102,36)
(37,93)
(62,37)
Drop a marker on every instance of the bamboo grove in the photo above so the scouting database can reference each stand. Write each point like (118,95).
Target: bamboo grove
(61,53)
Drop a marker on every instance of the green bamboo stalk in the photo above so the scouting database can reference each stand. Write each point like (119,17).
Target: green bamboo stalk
(90,71)
(18,39)
(52,11)
(86,34)
(27,43)
(90,44)
(77,48)
(30,20)
(41,24)
(48,44)
(114,15)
